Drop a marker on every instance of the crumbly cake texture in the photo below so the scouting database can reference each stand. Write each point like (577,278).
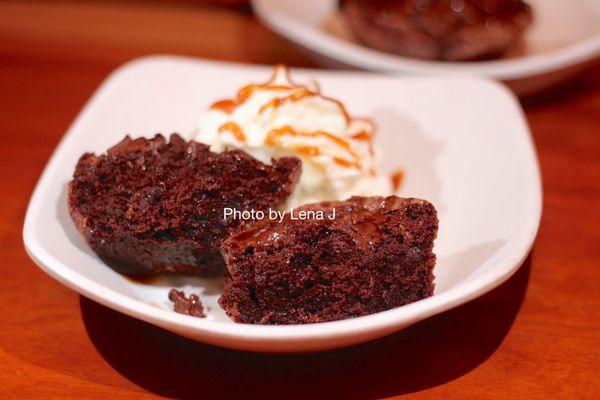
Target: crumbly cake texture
(375,255)
(439,29)
(186,305)
(152,206)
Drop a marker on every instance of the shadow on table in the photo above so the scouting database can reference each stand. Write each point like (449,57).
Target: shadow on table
(424,355)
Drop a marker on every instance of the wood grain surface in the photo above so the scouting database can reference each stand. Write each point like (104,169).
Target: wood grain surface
(536,337)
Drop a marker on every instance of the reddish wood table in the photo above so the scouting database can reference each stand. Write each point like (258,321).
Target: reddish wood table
(536,336)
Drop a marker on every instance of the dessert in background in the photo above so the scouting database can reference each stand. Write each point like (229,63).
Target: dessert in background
(376,254)
(281,118)
(452,30)
(151,206)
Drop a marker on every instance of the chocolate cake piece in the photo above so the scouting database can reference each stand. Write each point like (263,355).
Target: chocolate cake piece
(191,305)
(152,206)
(452,30)
(375,254)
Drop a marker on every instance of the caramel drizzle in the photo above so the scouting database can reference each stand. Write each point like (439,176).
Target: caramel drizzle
(274,135)
(234,129)
(363,136)
(242,95)
(345,163)
(294,97)
(302,93)
(367,136)
(308,151)
(397,178)
(229,106)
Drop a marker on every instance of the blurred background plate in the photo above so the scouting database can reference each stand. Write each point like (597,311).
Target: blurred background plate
(563,40)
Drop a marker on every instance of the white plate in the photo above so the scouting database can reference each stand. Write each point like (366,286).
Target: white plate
(463,143)
(564,37)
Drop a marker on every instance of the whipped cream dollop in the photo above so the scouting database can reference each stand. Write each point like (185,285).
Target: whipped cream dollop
(280,118)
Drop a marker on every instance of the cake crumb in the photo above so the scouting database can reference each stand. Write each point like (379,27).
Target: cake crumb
(186,305)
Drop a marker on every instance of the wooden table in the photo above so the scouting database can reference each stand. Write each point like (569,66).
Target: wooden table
(536,337)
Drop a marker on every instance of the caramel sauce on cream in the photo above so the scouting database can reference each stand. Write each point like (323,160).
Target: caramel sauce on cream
(303,93)
(345,163)
(234,129)
(243,94)
(229,105)
(274,135)
(299,92)
(294,97)
(363,135)
(366,136)
(308,151)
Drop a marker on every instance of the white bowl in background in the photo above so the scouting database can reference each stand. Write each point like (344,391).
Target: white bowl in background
(564,39)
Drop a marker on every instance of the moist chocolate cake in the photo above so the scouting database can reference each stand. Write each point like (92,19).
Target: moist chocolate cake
(151,206)
(453,30)
(374,255)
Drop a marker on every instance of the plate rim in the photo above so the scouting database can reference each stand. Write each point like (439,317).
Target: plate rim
(249,336)
(360,56)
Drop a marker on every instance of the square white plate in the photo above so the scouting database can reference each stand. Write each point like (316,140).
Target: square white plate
(563,39)
(463,144)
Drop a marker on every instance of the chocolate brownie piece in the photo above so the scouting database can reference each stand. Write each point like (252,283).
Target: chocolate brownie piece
(186,305)
(376,254)
(453,30)
(151,206)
